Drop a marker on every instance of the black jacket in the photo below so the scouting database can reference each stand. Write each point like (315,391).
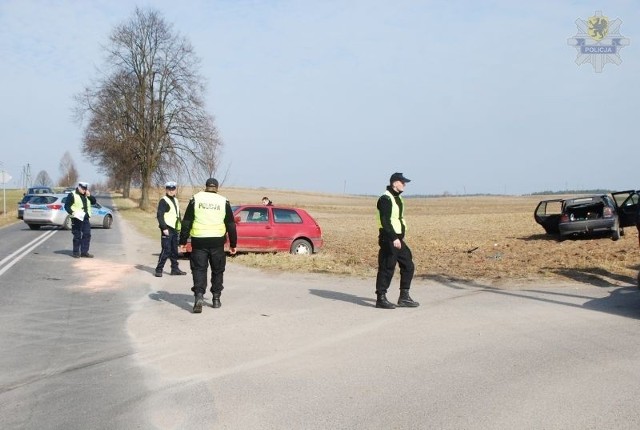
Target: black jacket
(208,242)
(163,207)
(71,199)
(384,207)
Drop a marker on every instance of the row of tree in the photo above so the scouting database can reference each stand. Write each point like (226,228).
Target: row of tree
(144,117)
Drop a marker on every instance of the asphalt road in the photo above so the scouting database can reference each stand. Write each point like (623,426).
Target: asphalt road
(102,344)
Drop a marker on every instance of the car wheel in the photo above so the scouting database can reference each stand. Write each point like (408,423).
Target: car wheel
(67,223)
(301,247)
(34,226)
(108,220)
(615,234)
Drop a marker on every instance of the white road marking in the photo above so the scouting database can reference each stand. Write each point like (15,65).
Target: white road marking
(21,252)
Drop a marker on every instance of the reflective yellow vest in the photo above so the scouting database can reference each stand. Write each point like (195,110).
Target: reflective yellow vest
(397,219)
(172,218)
(209,210)
(77,203)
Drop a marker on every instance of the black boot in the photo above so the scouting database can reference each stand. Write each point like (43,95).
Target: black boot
(215,303)
(383,303)
(197,306)
(405,301)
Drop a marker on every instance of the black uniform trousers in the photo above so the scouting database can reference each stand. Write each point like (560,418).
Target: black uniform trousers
(388,256)
(169,250)
(201,259)
(81,231)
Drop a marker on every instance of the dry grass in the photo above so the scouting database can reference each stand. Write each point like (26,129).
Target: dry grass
(9,199)
(487,239)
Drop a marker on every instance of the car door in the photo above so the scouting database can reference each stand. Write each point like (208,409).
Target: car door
(626,206)
(548,213)
(255,232)
(97,215)
(287,226)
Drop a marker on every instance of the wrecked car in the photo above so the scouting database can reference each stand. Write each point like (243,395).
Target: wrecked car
(589,215)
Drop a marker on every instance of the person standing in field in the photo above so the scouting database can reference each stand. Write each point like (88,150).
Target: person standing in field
(393,248)
(78,205)
(208,220)
(168,216)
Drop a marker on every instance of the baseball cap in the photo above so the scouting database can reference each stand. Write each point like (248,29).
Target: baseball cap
(83,184)
(398,177)
(211,182)
(170,184)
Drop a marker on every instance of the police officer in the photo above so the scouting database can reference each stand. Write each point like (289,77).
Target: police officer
(168,216)
(78,205)
(393,248)
(208,220)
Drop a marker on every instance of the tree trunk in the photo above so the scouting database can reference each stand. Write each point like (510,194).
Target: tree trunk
(146,185)
(126,188)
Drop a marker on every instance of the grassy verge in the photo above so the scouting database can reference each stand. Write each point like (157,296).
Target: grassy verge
(9,199)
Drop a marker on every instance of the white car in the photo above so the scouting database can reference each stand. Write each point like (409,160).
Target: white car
(48,209)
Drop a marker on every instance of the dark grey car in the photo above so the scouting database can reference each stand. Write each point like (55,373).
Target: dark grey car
(586,215)
(21,203)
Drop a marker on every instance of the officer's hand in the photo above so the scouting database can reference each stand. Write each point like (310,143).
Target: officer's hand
(397,243)
(232,251)
(165,232)
(182,248)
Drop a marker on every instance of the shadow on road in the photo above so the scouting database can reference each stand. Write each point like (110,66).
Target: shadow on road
(623,301)
(68,252)
(148,269)
(183,301)
(595,276)
(349,298)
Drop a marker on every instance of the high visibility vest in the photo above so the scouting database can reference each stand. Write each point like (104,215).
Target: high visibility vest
(397,218)
(77,203)
(172,218)
(209,210)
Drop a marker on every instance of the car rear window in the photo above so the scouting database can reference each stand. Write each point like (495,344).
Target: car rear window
(286,216)
(43,200)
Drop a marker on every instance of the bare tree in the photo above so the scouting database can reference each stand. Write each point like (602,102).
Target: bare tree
(109,134)
(43,179)
(68,171)
(150,106)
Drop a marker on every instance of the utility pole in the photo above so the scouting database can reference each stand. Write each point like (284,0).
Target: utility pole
(26,177)
(4,178)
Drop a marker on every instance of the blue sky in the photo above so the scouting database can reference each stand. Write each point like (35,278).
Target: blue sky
(464,97)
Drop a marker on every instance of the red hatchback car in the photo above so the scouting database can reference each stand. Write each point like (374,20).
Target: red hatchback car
(275,228)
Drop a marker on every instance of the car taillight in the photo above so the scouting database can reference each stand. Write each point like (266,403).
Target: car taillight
(607,212)
(26,206)
(55,207)
(564,218)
